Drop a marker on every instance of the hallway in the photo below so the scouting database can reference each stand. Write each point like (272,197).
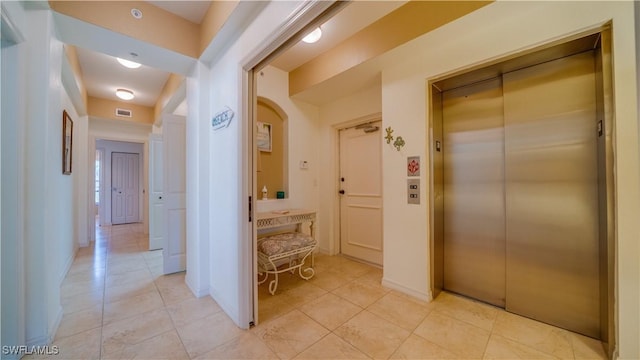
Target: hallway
(117,305)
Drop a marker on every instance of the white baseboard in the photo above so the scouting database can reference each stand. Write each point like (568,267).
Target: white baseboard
(198,292)
(51,334)
(54,327)
(405,290)
(326,251)
(67,266)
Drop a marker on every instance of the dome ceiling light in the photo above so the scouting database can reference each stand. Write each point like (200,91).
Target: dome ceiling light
(128,63)
(124,94)
(313,36)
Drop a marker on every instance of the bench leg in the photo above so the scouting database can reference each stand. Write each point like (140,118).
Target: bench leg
(266,276)
(273,285)
(308,270)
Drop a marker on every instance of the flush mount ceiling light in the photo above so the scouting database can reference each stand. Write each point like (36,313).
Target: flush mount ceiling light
(313,36)
(128,63)
(124,94)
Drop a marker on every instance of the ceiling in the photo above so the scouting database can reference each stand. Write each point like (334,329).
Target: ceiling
(351,19)
(193,11)
(103,74)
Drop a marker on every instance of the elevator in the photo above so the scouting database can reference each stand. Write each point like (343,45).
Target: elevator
(521,179)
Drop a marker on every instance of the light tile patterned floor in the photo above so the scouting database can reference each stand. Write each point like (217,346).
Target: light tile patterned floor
(117,305)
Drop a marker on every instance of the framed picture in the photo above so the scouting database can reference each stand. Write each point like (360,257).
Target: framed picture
(264,136)
(67,142)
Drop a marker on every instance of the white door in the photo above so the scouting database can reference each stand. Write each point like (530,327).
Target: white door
(117,187)
(125,186)
(361,193)
(156,194)
(174,150)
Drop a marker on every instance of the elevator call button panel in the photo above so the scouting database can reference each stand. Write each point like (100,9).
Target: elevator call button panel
(413,191)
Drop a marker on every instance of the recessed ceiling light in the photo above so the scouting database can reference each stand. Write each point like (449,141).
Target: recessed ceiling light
(313,36)
(124,94)
(136,13)
(128,63)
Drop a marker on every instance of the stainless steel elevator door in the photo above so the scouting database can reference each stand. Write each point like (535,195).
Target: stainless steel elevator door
(473,164)
(552,193)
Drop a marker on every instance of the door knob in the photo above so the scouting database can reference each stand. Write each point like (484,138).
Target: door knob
(341,192)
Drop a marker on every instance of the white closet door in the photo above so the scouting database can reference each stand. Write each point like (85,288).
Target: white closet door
(156,193)
(174,150)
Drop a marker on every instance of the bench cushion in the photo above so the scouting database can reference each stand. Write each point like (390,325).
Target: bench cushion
(281,243)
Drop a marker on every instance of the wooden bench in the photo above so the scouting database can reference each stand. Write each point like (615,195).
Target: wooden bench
(288,250)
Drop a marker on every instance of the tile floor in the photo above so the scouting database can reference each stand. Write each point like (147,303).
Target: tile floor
(117,305)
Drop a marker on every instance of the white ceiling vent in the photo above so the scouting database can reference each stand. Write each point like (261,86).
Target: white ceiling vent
(124,112)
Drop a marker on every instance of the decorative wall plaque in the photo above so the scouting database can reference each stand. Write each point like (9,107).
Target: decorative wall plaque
(413,166)
(222,119)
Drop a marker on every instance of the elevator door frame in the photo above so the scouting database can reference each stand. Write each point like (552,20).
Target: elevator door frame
(600,40)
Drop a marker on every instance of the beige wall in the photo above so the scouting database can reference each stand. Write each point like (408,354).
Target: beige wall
(271,164)
(106,109)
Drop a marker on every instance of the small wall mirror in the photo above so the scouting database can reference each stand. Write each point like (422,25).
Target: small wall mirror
(273,171)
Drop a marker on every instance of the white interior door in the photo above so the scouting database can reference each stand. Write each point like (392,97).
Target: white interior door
(156,193)
(125,184)
(117,187)
(174,150)
(361,193)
